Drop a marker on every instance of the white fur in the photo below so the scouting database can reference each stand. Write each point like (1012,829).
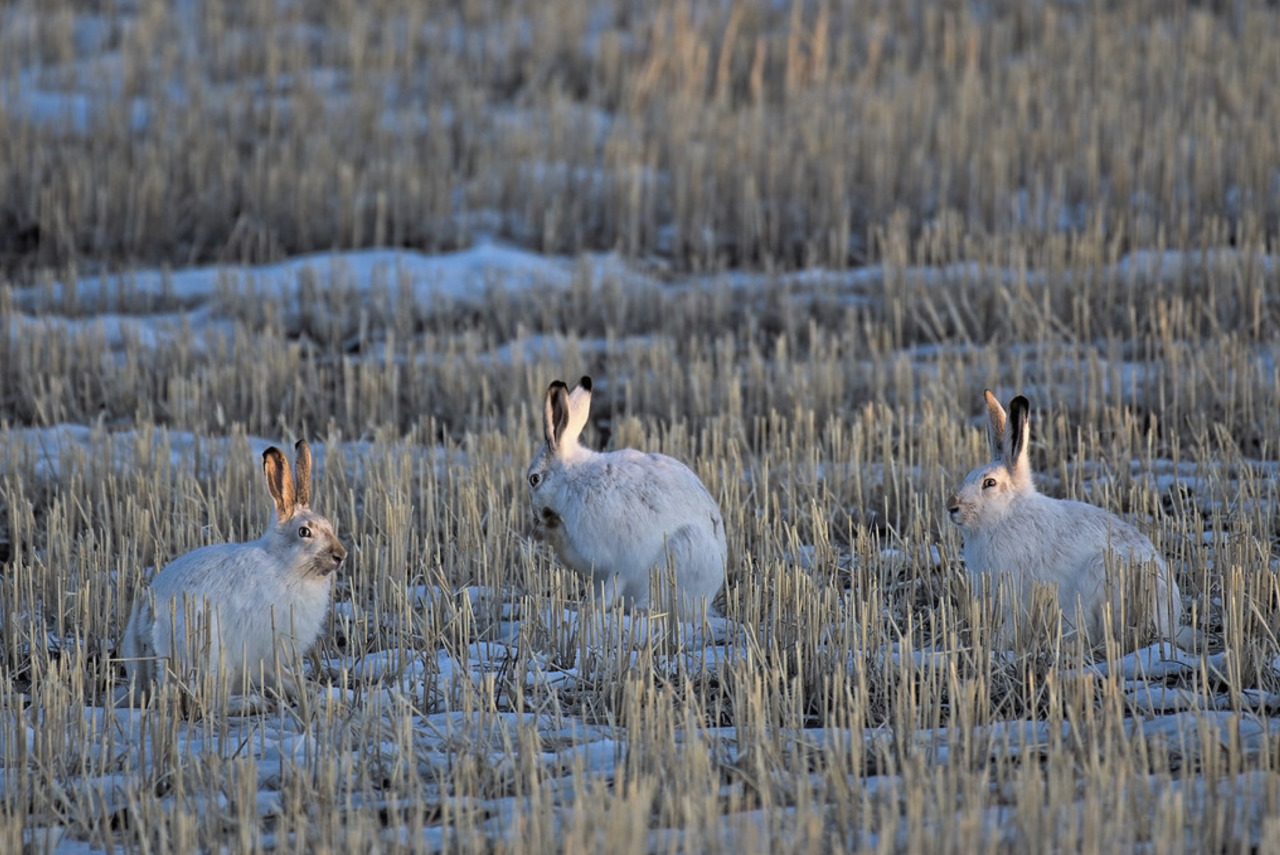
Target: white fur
(623,517)
(1016,538)
(232,609)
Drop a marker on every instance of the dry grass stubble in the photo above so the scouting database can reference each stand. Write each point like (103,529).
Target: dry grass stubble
(859,700)
(1006,170)
(770,134)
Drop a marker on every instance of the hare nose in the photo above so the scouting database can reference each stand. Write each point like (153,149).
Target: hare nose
(338,553)
(953,504)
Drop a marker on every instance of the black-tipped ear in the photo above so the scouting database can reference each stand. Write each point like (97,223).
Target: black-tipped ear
(1019,416)
(302,471)
(279,481)
(585,383)
(555,415)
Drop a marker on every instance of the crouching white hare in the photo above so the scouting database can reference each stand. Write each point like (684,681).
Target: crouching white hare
(232,611)
(1016,540)
(624,518)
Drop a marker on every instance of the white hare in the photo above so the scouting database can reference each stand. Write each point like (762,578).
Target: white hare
(623,518)
(1018,539)
(236,609)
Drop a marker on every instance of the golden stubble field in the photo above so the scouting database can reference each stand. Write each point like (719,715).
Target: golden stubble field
(792,243)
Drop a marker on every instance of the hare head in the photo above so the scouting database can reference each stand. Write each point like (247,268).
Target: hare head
(564,416)
(303,539)
(989,493)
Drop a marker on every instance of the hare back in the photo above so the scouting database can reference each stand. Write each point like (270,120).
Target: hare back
(633,497)
(1055,541)
(647,483)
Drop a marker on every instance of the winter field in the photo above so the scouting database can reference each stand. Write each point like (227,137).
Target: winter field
(792,243)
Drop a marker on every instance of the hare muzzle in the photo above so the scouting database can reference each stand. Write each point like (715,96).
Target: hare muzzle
(544,521)
(337,554)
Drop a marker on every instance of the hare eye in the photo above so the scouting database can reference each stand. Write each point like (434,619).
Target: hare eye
(303,531)
(534,479)
(988,483)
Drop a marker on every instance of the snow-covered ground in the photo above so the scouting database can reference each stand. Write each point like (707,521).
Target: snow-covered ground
(431,691)
(510,689)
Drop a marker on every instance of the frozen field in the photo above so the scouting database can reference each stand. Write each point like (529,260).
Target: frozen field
(459,699)
(792,244)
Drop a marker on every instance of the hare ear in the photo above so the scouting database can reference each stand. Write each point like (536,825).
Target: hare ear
(996,423)
(555,414)
(579,408)
(302,472)
(1019,458)
(279,481)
